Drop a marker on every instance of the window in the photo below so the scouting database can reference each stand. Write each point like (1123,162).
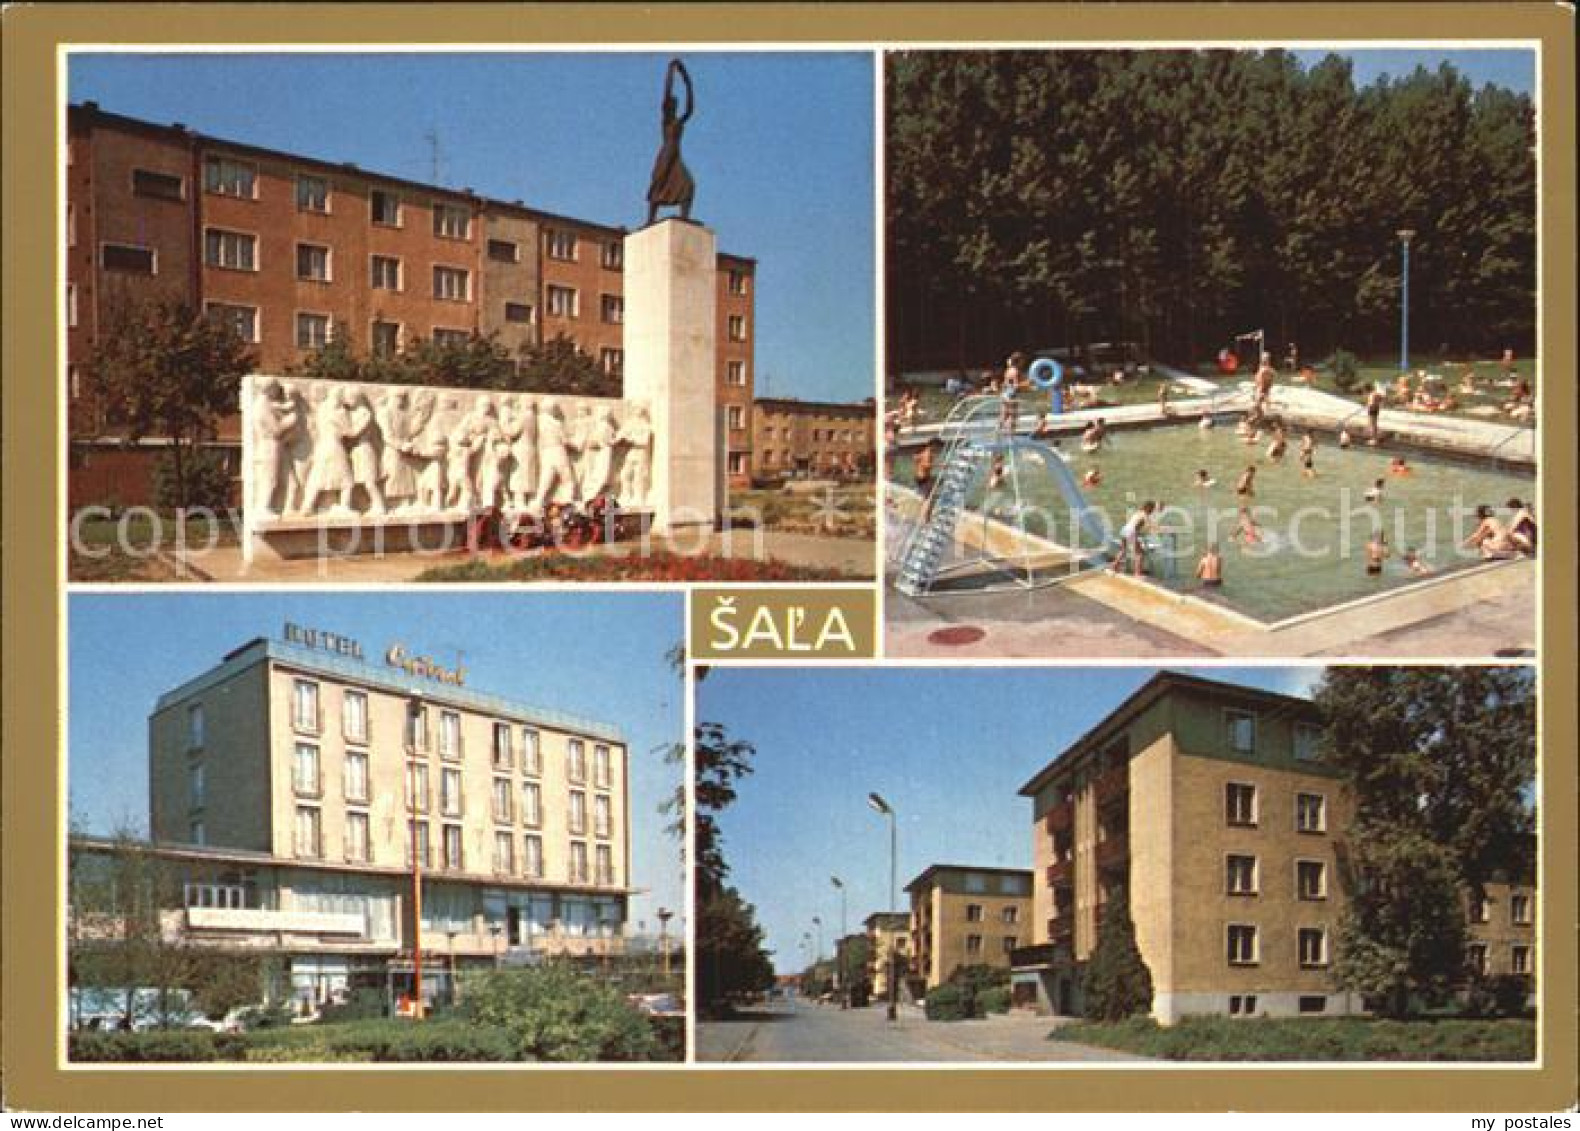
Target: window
(578,862)
(520,312)
(973,913)
(1009,943)
(602,769)
(1240,729)
(974,945)
(1242,945)
(195,727)
(1520,910)
(354,716)
(560,244)
(450,792)
(532,856)
(312,193)
(1308,741)
(160,186)
(1476,959)
(417,787)
(1010,915)
(356,776)
(1312,1003)
(1239,801)
(309,832)
(1240,875)
(1311,879)
(385,339)
(71,225)
(417,837)
(242,320)
(452,339)
(531,752)
(503,801)
(452,221)
(1313,944)
(128,258)
(230,178)
(504,854)
(312,331)
(563,302)
(416,727)
(578,813)
(576,760)
(602,816)
(736,415)
(738,463)
(453,284)
(611,360)
(235,251)
(1242,1005)
(737,282)
(531,804)
(1520,959)
(737,328)
(503,756)
(304,709)
(385,208)
(449,734)
(304,778)
(613,255)
(1310,813)
(504,251)
(604,859)
(735,372)
(1480,910)
(453,858)
(611,308)
(196,785)
(357,841)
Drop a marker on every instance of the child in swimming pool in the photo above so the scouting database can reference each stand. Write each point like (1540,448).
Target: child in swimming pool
(1308,456)
(1245,486)
(1376,553)
(1412,562)
(1209,570)
(1093,477)
(1204,478)
(1374,493)
(1247,533)
(1398,466)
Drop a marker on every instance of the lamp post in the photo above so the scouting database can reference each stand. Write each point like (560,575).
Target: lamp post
(1405,236)
(840,948)
(885,809)
(664,916)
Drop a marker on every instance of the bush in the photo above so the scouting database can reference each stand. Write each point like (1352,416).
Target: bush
(157,1045)
(363,1004)
(995,1000)
(274,1016)
(1346,370)
(555,1013)
(404,1041)
(1118,983)
(949,1003)
(208,481)
(671,1035)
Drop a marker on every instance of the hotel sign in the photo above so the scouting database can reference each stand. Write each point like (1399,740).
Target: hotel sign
(324,641)
(398,657)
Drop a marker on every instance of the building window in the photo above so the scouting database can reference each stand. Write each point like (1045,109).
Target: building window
(737,282)
(503,801)
(611,361)
(312,193)
(1242,945)
(1240,875)
(305,778)
(354,716)
(451,339)
(385,207)
(416,727)
(504,251)
(384,272)
(563,301)
(1313,944)
(1310,813)
(603,822)
(503,756)
(504,854)
(1240,729)
(160,186)
(197,832)
(973,913)
(735,373)
(1009,943)
(71,224)
(304,705)
(453,858)
(1476,959)
(1010,914)
(737,328)
(1480,910)
(738,463)
(1520,959)
(452,222)
(357,840)
(1240,804)
(531,752)
(449,734)
(309,832)
(128,258)
(196,785)
(578,812)
(613,255)
(356,776)
(578,862)
(417,787)
(1308,742)
(1242,1005)
(417,838)
(602,767)
(195,723)
(576,760)
(604,859)
(1520,910)
(560,244)
(974,945)
(312,331)
(1311,879)
(736,416)
(520,312)
(532,857)
(230,178)
(385,338)
(531,804)
(454,284)
(242,320)
(450,792)
(234,251)
(611,308)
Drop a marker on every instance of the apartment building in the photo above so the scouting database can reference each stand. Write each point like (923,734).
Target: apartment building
(888,948)
(294,250)
(966,916)
(795,439)
(344,811)
(1502,929)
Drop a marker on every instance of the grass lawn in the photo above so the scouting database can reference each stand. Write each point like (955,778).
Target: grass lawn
(658,566)
(1314,1038)
(129,549)
(838,512)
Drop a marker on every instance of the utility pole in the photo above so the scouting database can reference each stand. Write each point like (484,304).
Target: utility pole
(1405,236)
(883,807)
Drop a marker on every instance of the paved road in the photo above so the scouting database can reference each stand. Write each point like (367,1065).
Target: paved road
(798,1031)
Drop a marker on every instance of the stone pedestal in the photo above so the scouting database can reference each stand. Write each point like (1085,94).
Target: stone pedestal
(671,280)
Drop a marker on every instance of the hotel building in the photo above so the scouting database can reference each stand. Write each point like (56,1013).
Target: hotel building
(795,439)
(888,947)
(340,812)
(963,916)
(293,250)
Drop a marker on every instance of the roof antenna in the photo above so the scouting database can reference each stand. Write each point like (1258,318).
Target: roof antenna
(432,138)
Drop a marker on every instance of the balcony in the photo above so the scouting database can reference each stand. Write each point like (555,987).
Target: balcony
(1114,852)
(1061,930)
(1061,818)
(1060,872)
(257,919)
(1112,785)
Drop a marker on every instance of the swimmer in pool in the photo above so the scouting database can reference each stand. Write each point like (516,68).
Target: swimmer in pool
(1280,444)
(1245,486)
(1247,532)
(1093,477)
(1412,562)
(1374,493)
(1204,478)
(1205,424)
(1209,570)
(1096,432)
(1398,466)
(1308,456)
(1376,553)
(1344,439)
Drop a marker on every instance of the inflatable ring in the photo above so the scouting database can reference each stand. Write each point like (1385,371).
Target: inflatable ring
(1046,373)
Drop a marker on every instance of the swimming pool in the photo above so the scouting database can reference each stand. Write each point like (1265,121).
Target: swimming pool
(1313,554)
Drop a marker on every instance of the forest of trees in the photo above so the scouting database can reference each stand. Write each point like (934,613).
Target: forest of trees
(1177,198)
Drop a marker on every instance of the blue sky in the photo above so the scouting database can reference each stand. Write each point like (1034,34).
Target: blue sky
(781,148)
(948,747)
(599,655)
(1514,69)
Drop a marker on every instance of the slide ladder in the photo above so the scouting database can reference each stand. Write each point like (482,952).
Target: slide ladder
(924,551)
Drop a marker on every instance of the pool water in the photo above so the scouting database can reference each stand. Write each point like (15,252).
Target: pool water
(1312,554)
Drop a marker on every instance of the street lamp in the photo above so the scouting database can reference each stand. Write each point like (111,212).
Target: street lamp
(1405,236)
(840,948)
(664,916)
(885,809)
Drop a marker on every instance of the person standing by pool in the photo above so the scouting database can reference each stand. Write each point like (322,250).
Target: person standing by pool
(1376,552)
(1209,570)
(1308,456)
(1265,373)
(1131,547)
(1374,403)
(1163,398)
(1245,486)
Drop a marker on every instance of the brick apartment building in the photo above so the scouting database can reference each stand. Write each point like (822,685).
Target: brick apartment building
(966,916)
(795,439)
(293,249)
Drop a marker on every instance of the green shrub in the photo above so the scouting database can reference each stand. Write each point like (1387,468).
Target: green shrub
(363,1004)
(405,1041)
(671,1035)
(949,1003)
(208,481)
(1118,983)
(555,1013)
(995,1000)
(274,1016)
(1346,370)
(157,1045)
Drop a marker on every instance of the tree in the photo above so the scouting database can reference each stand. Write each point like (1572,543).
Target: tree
(720,763)
(162,368)
(1440,763)
(560,367)
(1117,983)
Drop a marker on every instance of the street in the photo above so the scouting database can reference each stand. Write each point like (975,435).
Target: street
(800,1031)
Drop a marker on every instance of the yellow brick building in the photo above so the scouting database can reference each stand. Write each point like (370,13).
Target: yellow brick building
(888,947)
(966,916)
